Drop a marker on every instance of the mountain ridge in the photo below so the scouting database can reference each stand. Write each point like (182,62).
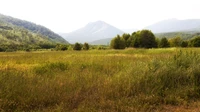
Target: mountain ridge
(32,27)
(174,25)
(91,32)
(167,28)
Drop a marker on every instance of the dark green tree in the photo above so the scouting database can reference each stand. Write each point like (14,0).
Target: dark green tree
(184,44)
(86,46)
(77,46)
(147,39)
(195,42)
(1,49)
(175,42)
(126,37)
(134,39)
(117,43)
(61,47)
(163,43)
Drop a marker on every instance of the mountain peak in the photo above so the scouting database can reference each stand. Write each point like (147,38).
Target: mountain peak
(93,31)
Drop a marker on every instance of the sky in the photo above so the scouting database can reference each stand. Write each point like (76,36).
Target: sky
(63,16)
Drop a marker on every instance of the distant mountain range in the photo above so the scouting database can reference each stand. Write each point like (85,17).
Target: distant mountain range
(101,41)
(20,32)
(14,31)
(175,25)
(167,28)
(92,31)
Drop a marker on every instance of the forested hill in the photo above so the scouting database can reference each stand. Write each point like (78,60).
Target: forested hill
(7,21)
(184,35)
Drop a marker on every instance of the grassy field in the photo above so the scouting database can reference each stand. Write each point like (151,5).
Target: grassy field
(101,80)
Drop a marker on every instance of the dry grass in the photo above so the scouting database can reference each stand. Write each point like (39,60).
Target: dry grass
(108,80)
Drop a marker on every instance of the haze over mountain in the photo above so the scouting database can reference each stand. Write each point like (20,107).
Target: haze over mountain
(92,31)
(166,28)
(101,41)
(174,25)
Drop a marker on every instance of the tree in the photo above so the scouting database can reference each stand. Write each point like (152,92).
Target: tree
(1,49)
(175,42)
(134,39)
(77,46)
(126,37)
(117,43)
(86,46)
(61,47)
(147,39)
(164,43)
(195,42)
(184,44)
(100,47)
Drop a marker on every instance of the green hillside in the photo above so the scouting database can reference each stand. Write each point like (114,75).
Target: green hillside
(18,34)
(184,35)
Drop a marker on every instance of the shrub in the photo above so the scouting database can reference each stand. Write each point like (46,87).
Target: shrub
(118,43)
(77,46)
(163,43)
(86,46)
(195,42)
(61,47)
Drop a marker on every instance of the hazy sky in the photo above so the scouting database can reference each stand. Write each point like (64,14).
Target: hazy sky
(69,15)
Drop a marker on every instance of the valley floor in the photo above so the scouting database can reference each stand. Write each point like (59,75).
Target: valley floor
(101,80)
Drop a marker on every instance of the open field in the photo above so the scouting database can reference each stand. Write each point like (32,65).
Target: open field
(101,80)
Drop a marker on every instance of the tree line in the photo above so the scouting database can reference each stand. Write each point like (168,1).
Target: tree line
(139,39)
(77,46)
(146,39)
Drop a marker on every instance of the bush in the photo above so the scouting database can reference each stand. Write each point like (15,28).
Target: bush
(147,39)
(164,43)
(61,47)
(86,46)
(77,46)
(118,43)
(195,42)
(1,49)
(101,48)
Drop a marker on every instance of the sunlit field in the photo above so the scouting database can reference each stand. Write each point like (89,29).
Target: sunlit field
(101,80)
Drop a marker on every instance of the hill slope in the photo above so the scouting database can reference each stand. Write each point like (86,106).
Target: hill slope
(184,35)
(101,41)
(91,32)
(22,30)
(174,25)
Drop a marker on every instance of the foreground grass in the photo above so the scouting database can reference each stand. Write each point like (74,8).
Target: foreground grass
(110,80)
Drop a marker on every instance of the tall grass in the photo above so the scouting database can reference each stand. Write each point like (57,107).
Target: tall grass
(108,80)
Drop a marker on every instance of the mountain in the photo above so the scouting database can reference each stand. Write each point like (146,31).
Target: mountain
(101,41)
(170,28)
(175,25)
(186,35)
(92,31)
(24,32)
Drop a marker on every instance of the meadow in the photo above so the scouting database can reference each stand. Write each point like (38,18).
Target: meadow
(127,80)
